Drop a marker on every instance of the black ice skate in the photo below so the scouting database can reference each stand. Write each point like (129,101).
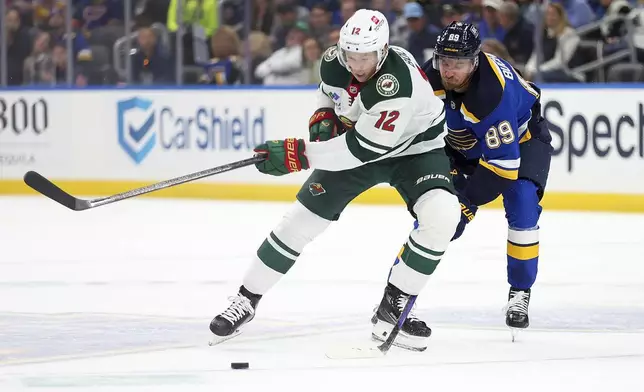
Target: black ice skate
(516,311)
(414,332)
(228,324)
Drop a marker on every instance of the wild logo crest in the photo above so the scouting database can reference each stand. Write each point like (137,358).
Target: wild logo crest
(331,54)
(387,85)
(316,189)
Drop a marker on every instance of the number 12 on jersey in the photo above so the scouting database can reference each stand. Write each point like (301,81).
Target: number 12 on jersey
(386,120)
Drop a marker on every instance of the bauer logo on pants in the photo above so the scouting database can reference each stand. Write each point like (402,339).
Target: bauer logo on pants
(135,121)
(432,177)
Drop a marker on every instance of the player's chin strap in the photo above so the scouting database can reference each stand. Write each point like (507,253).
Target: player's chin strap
(384,52)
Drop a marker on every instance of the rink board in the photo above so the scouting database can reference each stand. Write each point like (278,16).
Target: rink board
(104,141)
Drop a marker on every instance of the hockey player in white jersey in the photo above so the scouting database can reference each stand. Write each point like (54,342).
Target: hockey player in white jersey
(378,122)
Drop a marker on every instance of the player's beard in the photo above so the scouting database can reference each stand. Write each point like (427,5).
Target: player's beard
(458,87)
(452,85)
(449,85)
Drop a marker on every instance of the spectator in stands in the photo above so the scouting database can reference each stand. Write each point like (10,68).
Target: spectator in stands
(225,67)
(59,55)
(613,30)
(286,65)
(433,10)
(312,59)
(39,66)
(301,10)
(347,9)
(200,20)
(44,9)
(25,9)
(398,29)
(578,11)
(22,6)
(333,38)
(451,13)
(260,50)
(490,27)
(232,16)
(384,8)
(18,47)
(474,12)
(519,36)
(332,5)
(289,12)
(288,16)
(531,11)
(151,62)
(263,16)
(91,14)
(320,22)
(204,13)
(422,36)
(496,47)
(56,27)
(559,44)
(148,12)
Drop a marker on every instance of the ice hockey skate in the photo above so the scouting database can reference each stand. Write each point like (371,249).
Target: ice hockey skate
(414,333)
(516,311)
(229,323)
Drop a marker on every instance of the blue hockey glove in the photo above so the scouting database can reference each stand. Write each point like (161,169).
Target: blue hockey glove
(468,210)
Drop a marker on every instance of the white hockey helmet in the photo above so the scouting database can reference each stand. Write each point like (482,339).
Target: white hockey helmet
(365,32)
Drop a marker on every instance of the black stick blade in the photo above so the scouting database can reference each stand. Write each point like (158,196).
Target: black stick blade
(42,185)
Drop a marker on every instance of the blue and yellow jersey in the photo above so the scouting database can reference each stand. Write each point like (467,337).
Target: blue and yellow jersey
(489,120)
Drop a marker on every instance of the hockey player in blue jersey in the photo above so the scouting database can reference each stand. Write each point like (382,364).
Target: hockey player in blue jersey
(499,144)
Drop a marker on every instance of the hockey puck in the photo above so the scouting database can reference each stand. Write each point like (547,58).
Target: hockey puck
(239,365)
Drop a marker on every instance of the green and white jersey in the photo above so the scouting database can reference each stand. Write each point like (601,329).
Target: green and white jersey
(394,113)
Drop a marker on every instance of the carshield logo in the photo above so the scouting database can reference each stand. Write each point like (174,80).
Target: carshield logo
(135,123)
(172,124)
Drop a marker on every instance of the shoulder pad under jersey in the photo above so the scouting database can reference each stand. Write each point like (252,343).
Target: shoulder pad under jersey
(332,72)
(434,77)
(393,80)
(485,91)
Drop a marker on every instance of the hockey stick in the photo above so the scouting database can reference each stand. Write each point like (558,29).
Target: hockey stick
(401,320)
(379,351)
(49,189)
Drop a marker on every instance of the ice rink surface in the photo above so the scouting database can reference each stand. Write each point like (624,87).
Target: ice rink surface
(120,298)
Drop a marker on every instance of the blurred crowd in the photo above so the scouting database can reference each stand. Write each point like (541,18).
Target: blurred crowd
(280,42)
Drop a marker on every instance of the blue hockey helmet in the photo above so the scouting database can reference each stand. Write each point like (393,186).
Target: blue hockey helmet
(459,40)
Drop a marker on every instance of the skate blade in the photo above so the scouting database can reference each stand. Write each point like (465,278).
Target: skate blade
(215,340)
(381,331)
(514,332)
